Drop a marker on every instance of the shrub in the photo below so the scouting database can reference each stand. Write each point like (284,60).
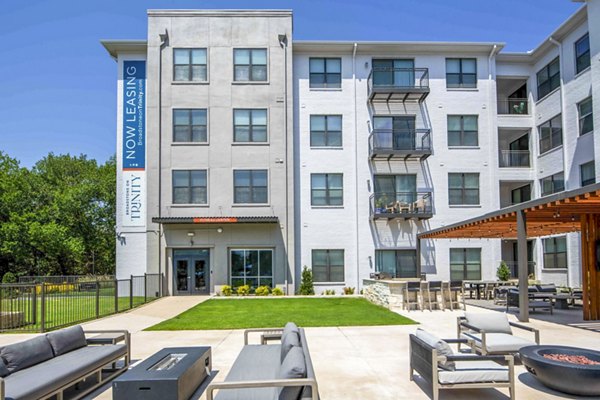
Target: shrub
(262,291)
(55,288)
(243,290)
(306,286)
(9,277)
(503,272)
(226,290)
(328,292)
(277,292)
(349,290)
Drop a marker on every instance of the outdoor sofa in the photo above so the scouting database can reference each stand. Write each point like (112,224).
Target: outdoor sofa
(491,333)
(433,359)
(278,371)
(46,365)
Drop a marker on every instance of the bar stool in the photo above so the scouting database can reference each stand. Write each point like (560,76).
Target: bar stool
(456,289)
(411,295)
(435,288)
(425,295)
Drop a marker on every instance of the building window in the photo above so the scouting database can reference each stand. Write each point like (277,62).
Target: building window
(462,130)
(555,252)
(465,264)
(326,190)
(250,65)
(553,184)
(520,194)
(252,267)
(461,72)
(250,186)
(550,134)
(189,65)
(397,263)
(463,189)
(326,130)
(189,125)
(587,172)
(325,72)
(586,116)
(548,78)
(328,265)
(249,125)
(582,53)
(189,187)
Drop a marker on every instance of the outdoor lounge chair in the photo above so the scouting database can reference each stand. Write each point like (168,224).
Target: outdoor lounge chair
(433,359)
(491,333)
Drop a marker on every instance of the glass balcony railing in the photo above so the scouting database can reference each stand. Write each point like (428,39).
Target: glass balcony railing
(513,106)
(515,159)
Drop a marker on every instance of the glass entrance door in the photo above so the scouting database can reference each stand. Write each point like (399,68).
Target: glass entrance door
(191,271)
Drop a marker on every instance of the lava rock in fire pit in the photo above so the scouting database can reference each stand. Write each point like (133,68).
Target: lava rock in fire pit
(566,369)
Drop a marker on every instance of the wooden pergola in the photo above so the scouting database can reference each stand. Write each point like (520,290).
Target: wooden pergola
(573,211)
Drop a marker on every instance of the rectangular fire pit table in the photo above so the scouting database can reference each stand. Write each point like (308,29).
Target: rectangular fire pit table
(172,373)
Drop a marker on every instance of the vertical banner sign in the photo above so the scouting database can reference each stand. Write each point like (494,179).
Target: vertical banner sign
(134,144)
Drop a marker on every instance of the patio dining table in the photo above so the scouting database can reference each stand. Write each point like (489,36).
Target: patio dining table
(479,285)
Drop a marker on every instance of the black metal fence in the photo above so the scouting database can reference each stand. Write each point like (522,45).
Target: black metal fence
(43,306)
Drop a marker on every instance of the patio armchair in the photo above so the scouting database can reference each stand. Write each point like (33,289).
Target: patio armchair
(419,205)
(491,333)
(537,300)
(433,359)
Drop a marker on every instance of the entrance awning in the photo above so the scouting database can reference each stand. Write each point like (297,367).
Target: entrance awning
(571,211)
(216,220)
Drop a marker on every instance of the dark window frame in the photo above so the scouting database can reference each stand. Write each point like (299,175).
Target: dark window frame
(397,267)
(586,55)
(554,255)
(551,138)
(327,189)
(520,190)
(252,127)
(553,180)
(462,130)
(589,181)
(461,75)
(251,65)
(327,133)
(464,189)
(464,262)
(328,265)
(252,188)
(246,278)
(583,118)
(190,64)
(553,81)
(189,185)
(190,125)
(325,85)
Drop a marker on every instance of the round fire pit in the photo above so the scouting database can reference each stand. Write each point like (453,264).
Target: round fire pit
(566,369)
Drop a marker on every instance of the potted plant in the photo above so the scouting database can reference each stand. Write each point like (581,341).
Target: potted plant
(379,205)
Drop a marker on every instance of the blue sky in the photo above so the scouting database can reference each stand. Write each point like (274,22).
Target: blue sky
(57,83)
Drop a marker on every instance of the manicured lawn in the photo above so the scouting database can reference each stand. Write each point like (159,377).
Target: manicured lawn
(243,313)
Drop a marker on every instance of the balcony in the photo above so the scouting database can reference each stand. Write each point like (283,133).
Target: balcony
(515,159)
(513,106)
(400,143)
(401,205)
(398,84)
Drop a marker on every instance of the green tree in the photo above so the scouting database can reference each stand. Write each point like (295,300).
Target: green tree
(503,272)
(306,285)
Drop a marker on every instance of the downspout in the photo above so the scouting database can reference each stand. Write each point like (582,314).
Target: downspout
(356,199)
(283,42)
(492,123)
(562,115)
(164,42)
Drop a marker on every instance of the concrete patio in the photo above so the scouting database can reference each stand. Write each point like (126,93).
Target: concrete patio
(350,362)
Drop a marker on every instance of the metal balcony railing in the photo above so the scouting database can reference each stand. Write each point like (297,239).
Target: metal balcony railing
(398,84)
(390,143)
(515,159)
(407,205)
(513,106)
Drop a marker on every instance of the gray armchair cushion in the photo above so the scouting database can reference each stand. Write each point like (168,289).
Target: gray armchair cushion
(21,355)
(475,372)
(293,367)
(489,322)
(499,343)
(288,341)
(4,372)
(290,327)
(66,340)
(443,349)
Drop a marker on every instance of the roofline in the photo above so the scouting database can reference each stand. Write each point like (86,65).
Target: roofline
(116,46)
(220,13)
(522,206)
(412,46)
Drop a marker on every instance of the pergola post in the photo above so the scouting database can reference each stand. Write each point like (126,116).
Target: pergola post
(590,234)
(522,266)
(418,256)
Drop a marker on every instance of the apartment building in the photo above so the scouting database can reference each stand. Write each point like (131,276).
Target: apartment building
(269,154)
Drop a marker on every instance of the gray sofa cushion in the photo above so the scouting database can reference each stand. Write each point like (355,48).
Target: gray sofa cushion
(489,322)
(443,349)
(34,382)
(475,372)
(293,367)
(290,327)
(288,341)
(66,340)
(21,355)
(500,343)
(3,370)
